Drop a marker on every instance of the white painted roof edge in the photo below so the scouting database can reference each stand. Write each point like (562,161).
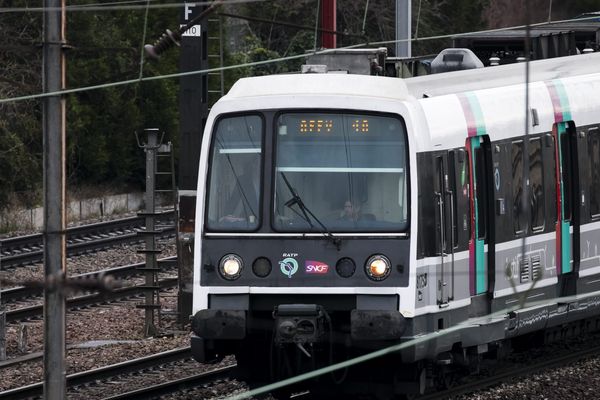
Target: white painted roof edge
(319,84)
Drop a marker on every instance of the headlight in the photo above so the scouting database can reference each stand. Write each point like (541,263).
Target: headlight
(230,267)
(378,267)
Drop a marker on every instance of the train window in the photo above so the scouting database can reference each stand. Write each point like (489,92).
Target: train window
(551,187)
(594,153)
(519,218)
(234,174)
(565,153)
(349,170)
(480,193)
(536,187)
(454,194)
(464,191)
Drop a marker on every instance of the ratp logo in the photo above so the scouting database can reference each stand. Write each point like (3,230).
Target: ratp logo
(288,266)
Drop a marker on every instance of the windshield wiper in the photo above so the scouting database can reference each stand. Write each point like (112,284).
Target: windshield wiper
(296,199)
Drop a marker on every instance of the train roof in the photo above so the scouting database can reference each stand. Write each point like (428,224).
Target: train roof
(418,87)
(319,84)
(502,75)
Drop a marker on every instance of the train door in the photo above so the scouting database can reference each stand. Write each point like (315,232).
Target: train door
(568,203)
(481,243)
(444,190)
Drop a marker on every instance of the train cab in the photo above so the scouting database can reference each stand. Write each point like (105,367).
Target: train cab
(304,218)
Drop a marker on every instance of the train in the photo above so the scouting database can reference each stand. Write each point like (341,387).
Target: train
(339,214)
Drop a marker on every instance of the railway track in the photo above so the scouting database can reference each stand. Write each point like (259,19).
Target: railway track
(158,361)
(78,302)
(36,311)
(25,250)
(20,293)
(110,372)
(177,385)
(514,373)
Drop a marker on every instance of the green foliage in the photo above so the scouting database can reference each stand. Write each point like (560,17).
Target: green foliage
(101,144)
(20,122)
(102,123)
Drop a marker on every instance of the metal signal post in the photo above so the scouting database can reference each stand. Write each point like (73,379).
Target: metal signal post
(194,111)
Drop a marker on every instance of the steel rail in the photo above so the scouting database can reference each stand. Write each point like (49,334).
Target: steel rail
(103,373)
(518,372)
(25,313)
(125,271)
(177,385)
(29,249)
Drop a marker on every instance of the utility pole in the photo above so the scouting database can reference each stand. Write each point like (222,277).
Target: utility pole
(2,323)
(328,23)
(403,28)
(54,200)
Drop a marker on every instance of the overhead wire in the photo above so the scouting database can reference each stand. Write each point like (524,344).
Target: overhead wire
(378,353)
(116,6)
(476,321)
(365,17)
(418,19)
(265,62)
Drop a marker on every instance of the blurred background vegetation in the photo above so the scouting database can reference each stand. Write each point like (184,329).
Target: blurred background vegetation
(106,47)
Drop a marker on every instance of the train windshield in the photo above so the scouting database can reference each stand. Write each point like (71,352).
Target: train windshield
(234,182)
(348,170)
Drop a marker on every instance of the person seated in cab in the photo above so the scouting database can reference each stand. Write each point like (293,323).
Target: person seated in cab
(350,212)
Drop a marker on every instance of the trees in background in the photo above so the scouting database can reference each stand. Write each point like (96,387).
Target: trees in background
(106,47)
(20,122)
(102,123)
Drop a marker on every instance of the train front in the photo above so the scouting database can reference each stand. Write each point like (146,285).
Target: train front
(303,241)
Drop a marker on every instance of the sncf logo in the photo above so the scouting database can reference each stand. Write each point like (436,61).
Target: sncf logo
(315,267)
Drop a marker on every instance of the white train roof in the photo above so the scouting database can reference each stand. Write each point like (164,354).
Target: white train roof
(319,84)
(419,87)
(502,75)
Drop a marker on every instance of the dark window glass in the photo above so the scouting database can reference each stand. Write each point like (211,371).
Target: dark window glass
(480,190)
(517,186)
(349,170)
(565,153)
(536,188)
(594,151)
(552,186)
(440,207)
(235,165)
(465,185)
(454,196)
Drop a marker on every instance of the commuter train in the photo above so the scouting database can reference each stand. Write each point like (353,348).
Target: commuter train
(340,214)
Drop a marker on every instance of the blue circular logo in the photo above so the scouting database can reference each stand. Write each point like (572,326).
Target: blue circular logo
(288,266)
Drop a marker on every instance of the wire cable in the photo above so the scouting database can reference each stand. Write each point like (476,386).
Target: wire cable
(264,62)
(116,7)
(365,18)
(484,320)
(418,19)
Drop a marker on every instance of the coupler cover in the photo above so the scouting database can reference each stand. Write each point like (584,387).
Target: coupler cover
(220,324)
(299,323)
(376,325)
